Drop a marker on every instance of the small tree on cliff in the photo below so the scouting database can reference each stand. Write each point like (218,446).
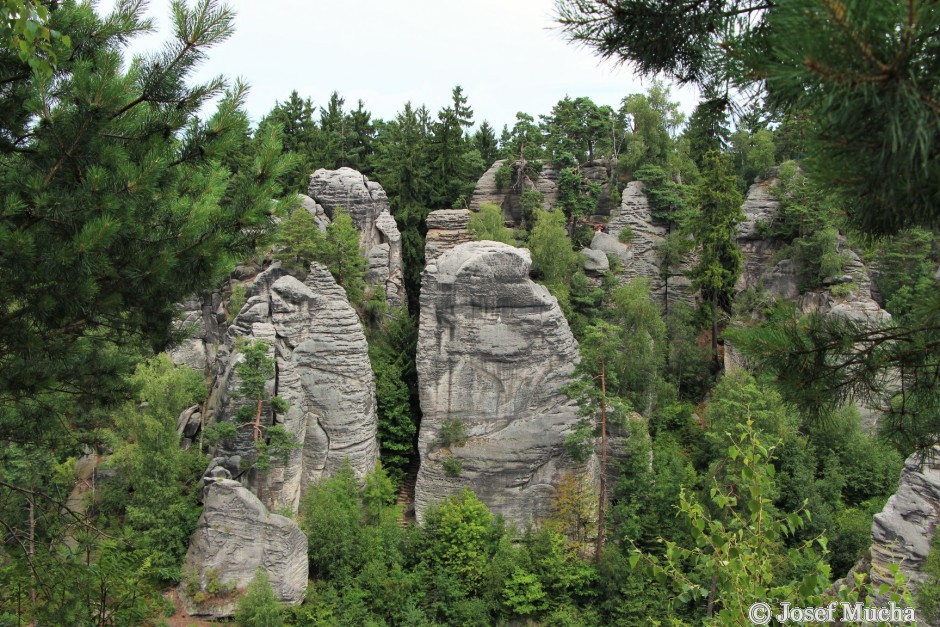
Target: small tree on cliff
(342,255)
(271,442)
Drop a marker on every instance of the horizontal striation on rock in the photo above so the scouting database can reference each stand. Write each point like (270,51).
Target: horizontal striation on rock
(367,205)
(322,371)
(494,351)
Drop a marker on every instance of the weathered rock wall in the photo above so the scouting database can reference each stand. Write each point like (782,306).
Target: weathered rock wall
(494,351)
(509,199)
(322,371)
(447,228)
(234,538)
(367,204)
(640,256)
(902,532)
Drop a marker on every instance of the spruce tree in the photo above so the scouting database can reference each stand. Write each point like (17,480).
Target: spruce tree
(715,228)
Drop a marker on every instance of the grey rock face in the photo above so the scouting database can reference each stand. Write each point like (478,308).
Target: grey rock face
(202,317)
(322,371)
(485,191)
(610,245)
(367,204)
(494,351)
(595,262)
(642,259)
(311,206)
(902,532)
(447,228)
(546,183)
(236,536)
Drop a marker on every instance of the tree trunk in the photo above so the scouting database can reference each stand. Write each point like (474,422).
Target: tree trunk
(257,437)
(715,327)
(603,481)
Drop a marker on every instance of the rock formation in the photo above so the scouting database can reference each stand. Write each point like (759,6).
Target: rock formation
(494,351)
(446,228)
(903,531)
(322,371)
(367,204)
(202,319)
(509,199)
(641,255)
(235,537)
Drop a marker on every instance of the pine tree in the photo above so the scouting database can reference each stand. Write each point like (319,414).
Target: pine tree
(115,206)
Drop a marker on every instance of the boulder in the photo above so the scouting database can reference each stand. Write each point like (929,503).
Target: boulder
(610,245)
(494,351)
(595,262)
(367,204)
(321,369)
(234,538)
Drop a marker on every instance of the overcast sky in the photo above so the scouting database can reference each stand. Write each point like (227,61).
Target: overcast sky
(506,54)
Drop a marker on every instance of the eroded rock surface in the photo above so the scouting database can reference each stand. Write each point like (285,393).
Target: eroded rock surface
(494,351)
(641,255)
(235,537)
(367,204)
(902,532)
(447,228)
(322,371)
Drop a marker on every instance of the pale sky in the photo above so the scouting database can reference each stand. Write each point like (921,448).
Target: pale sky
(506,54)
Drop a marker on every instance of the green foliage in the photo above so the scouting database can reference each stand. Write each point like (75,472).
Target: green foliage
(452,433)
(259,607)
(503,176)
(452,466)
(237,300)
(461,538)
(753,154)
(532,200)
(577,196)
(523,594)
(271,442)
(488,224)
(553,259)
(626,235)
(735,553)
(25,29)
(136,225)
(332,518)
(299,240)
(153,492)
(928,594)
(392,349)
(715,228)
(342,255)
(666,197)
(378,492)
(575,126)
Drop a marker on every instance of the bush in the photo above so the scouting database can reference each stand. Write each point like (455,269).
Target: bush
(487,224)
(452,466)
(259,607)
(626,234)
(453,433)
